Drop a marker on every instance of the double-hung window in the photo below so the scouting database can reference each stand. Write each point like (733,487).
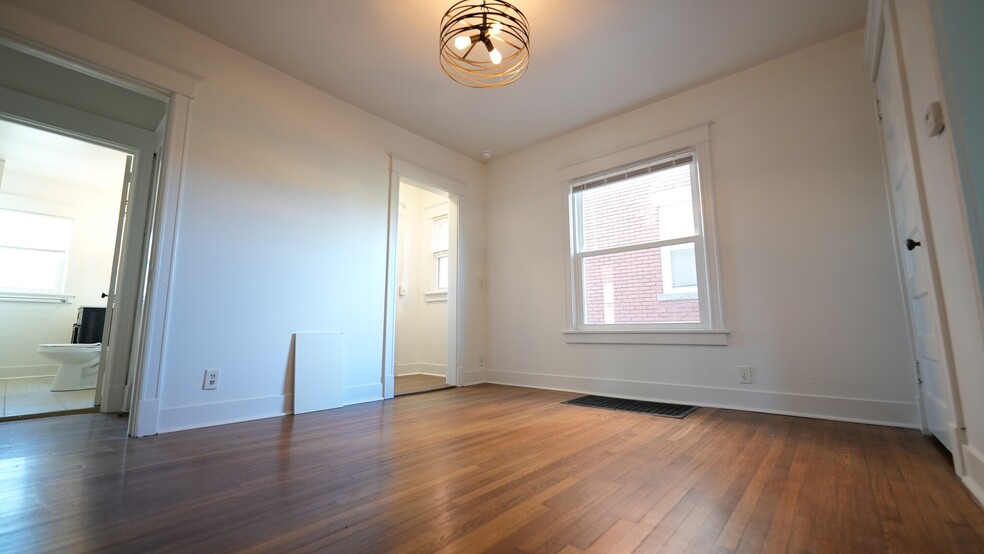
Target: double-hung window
(642,250)
(34,250)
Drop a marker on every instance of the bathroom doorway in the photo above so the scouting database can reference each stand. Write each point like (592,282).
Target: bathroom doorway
(422,279)
(421,319)
(60,201)
(89,246)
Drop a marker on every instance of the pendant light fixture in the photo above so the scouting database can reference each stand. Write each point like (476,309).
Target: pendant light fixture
(484,43)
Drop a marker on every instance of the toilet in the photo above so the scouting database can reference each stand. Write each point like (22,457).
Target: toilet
(78,365)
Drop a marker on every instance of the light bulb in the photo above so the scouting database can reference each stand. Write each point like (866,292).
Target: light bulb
(495,56)
(496,28)
(462,42)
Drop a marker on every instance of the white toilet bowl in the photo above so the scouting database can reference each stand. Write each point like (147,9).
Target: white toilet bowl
(78,364)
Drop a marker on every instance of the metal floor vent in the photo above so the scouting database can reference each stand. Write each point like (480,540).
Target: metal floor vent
(678,411)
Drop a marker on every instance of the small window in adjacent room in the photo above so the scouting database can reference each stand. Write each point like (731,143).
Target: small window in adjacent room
(641,255)
(34,251)
(440,248)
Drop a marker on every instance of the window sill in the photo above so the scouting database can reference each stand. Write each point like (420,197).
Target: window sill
(701,337)
(38,297)
(436,296)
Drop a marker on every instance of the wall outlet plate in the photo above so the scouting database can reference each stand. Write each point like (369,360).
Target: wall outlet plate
(744,375)
(211,381)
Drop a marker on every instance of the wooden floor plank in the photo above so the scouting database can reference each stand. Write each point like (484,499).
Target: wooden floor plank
(484,468)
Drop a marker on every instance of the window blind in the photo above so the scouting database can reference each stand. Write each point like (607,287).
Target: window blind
(632,170)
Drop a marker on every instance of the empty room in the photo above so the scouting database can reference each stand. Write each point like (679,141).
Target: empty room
(491,276)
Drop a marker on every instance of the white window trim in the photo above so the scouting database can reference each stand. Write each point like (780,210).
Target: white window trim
(713,330)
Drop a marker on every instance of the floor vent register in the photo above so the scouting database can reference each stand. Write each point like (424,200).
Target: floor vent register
(663,409)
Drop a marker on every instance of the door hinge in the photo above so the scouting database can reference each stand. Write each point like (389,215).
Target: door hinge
(878,109)
(919,379)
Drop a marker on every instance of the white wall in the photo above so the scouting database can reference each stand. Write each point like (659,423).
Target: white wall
(282,225)
(24,325)
(421,326)
(811,291)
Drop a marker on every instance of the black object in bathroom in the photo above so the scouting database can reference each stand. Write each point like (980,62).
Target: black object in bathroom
(88,327)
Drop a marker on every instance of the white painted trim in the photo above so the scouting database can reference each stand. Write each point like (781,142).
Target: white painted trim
(669,142)
(194,416)
(859,410)
(973,478)
(160,258)
(358,394)
(65,43)
(472,376)
(421,368)
(706,337)
(27,371)
(437,295)
(426,178)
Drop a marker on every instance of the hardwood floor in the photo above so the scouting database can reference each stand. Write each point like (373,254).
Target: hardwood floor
(484,468)
(411,384)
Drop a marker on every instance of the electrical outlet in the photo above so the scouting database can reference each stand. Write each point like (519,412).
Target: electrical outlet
(211,381)
(744,375)
(481,360)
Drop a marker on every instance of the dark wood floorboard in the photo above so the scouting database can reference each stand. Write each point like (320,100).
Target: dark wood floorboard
(484,468)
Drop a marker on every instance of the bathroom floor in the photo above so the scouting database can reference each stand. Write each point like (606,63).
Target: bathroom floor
(20,397)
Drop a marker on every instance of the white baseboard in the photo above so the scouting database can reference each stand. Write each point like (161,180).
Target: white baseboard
(420,368)
(180,418)
(474,377)
(858,410)
(358,394)
(27,371)
(973,477)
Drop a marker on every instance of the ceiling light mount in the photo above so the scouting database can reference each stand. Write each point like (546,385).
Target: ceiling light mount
(504,34)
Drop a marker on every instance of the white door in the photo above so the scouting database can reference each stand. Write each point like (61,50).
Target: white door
(105,360)
(910,229)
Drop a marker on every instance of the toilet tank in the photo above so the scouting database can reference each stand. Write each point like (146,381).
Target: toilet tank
(88,327)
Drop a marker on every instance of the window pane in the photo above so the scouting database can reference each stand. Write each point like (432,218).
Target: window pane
(31,230)
(33,270)
(440,240)
(628,288)
(683,267)
(442,272)
(648,208)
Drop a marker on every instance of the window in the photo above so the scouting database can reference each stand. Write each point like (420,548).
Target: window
(440,247)
(640,248)
(34,252)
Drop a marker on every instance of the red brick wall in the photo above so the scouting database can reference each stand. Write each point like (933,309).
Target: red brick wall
(622,214)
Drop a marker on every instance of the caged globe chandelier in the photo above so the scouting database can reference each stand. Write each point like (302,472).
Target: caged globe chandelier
(484,43)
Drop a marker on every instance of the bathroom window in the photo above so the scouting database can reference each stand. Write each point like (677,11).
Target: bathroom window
(440,249)
(34,250)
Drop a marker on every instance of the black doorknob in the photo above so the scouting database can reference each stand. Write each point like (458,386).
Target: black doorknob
(911,244)
(104,295)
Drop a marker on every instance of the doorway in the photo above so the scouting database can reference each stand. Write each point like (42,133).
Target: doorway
(421,321)
(422,278)
(48,102)
(59,203)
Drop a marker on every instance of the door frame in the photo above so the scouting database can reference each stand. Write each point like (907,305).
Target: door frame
(400,169)
(882,26)
(30,111)
(70,45)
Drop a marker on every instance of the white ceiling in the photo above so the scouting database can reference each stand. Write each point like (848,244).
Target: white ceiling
(590,59)
(31,152)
